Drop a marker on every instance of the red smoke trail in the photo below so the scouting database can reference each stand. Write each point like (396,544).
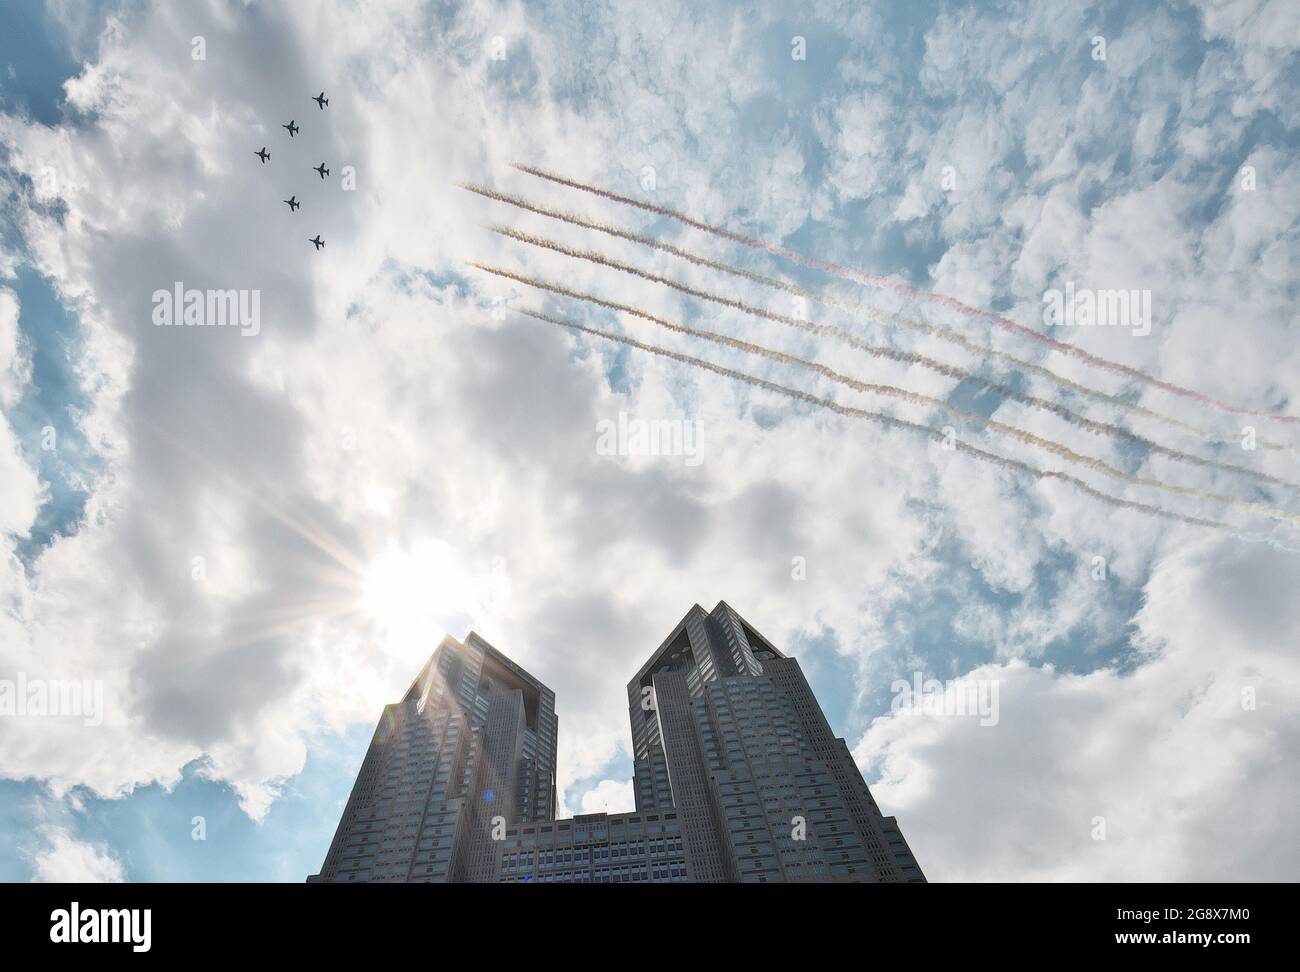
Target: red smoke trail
(875,280)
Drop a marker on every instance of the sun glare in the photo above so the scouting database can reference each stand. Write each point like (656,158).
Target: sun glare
(413,592)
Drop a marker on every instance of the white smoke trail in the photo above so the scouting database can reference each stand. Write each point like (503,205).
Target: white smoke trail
(943,333)
(876,280)
(952,371)
(889,421)
(1027,437)
(1269,541)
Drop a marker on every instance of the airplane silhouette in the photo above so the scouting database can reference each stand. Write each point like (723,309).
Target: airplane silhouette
(293,129)
(321,101)
(318,241)
(263,155)
(321,170)
(292,203)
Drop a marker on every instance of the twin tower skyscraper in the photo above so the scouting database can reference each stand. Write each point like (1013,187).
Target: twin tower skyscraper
(738,777)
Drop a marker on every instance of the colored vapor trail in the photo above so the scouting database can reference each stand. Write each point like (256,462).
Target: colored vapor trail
(875,280)
(952,371)
(880,418)
(1028,438)
(853,307)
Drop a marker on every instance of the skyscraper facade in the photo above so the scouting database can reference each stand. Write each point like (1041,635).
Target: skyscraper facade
(738,777)
(471,742)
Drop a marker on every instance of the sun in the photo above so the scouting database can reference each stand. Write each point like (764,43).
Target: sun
(412,592)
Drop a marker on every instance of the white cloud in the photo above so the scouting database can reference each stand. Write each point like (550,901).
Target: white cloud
(1185,758)
(609,796)
(65,860)
(15,368)
(20,488)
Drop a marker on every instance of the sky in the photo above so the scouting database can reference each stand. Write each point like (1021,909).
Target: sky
(251,538)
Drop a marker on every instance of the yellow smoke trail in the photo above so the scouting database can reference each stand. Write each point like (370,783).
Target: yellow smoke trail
(889,421)
(1081,421)
(853,307)
(876,280)
(889,390)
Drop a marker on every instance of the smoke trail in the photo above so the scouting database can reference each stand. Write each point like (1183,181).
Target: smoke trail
(1055,408)
(1270,541)
(1027,437)
(874,280)
(889,421)
(853,307)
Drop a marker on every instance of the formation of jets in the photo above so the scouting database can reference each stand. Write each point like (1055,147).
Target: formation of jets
(321,170)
